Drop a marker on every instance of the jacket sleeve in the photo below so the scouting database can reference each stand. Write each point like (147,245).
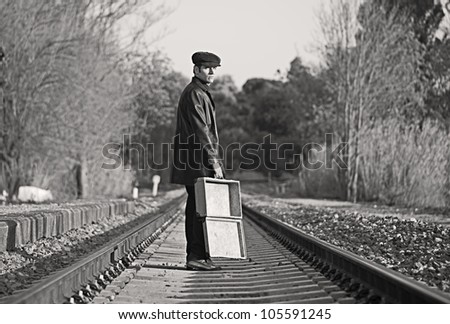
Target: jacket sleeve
(198,120)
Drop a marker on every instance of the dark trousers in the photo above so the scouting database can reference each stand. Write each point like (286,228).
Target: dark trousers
(194,229)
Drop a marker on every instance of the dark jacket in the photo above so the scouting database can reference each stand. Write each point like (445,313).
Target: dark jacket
(195,150)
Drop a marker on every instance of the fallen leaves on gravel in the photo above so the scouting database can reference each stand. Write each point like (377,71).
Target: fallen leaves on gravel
(413,247)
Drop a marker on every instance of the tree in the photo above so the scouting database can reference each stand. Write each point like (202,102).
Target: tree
(338,26)
(65,91)
(431,29)
(426,15)
(306,94)
(157,89)
(383,75)
(232,118)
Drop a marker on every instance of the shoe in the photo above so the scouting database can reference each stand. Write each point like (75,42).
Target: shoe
(199,265)
(211,264)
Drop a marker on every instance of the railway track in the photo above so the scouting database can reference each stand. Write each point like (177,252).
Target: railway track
(284,265)
(84,278)
(367,280)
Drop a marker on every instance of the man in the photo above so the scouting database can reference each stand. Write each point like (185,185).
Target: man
(196,151)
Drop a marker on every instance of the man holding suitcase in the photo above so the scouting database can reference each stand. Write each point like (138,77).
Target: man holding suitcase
(196,153)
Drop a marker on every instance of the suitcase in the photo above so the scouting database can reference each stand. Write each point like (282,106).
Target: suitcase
(218,203)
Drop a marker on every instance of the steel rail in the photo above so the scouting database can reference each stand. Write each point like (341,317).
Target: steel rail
(60,286)
(394,286)
(271,274)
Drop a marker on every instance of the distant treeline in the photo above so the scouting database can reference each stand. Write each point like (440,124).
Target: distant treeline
(383,89)
(69,87)
(71,81)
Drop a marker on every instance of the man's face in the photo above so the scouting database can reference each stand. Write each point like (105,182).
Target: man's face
(205,74)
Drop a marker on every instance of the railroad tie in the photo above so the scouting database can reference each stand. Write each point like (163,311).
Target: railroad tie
(270,274)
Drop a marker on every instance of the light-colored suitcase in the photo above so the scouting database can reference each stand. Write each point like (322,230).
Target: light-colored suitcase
(218,202)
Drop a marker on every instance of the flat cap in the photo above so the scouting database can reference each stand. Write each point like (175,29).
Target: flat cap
(205,59)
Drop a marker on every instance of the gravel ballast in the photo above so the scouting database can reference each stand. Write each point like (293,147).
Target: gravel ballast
(416,248)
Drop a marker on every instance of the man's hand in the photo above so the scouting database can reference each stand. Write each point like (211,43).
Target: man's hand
(218,174)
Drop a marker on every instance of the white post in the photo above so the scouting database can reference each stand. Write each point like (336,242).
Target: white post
(135,192)
(4,197)
(156,179)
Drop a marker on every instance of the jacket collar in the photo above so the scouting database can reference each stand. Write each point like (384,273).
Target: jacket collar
(200,83)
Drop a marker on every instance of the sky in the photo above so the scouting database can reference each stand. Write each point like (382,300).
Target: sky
(254,38)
